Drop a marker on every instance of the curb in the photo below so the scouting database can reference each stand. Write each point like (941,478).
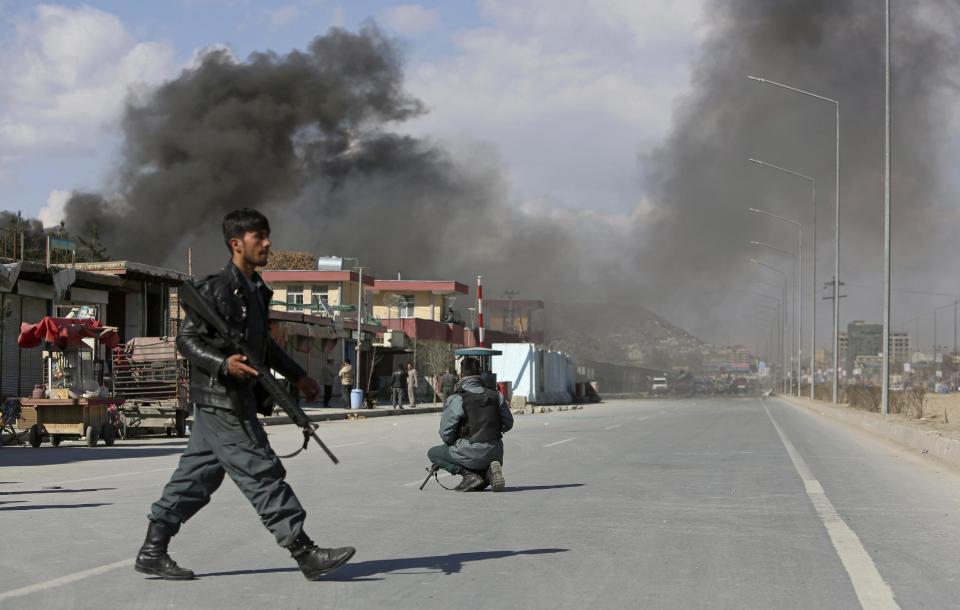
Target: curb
(930,442)
(276,420)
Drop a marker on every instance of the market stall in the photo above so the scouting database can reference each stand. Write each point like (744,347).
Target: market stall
(74,402)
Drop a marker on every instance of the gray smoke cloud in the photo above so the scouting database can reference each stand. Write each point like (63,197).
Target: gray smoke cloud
(306,138)
(312,139)
(695,262)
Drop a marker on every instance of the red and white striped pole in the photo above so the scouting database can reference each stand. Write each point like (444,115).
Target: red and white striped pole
(480,307)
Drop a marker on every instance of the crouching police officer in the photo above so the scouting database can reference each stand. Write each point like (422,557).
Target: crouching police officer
(471,427)
(226,437)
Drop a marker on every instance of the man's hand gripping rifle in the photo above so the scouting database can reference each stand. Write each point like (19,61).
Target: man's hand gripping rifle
(204,312)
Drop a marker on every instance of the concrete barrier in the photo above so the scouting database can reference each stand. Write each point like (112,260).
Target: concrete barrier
(931,442)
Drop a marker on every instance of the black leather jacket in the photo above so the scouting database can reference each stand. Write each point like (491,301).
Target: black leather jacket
(209,383)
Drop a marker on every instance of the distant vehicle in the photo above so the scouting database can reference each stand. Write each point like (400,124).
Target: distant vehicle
(740,383)
(659,385)
(896,387)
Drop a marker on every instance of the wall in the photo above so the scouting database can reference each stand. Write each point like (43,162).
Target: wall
(542,376)
(333,293)
(427,306)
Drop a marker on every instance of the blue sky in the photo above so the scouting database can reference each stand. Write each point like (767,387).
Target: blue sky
(566,100)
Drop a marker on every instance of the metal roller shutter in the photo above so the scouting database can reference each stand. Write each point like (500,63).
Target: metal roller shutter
(31,360)
(9,350)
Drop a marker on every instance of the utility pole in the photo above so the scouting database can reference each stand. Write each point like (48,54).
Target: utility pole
(510,294)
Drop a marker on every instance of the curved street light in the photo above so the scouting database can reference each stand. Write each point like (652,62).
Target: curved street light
(836,222)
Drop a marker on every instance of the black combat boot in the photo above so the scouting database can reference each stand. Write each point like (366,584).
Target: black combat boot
(314,562)
(471,482)
(495,476)
(153,559)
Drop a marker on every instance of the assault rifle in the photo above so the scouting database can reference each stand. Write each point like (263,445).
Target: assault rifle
(202,311)
(431,472)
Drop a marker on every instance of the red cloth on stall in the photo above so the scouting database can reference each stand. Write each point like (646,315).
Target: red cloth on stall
(65,333)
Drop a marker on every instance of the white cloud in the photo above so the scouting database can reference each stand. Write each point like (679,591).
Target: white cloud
(52,212)
(570,96)
(72,70)
(410,19)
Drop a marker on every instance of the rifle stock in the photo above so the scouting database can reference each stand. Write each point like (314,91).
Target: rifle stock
(203,311)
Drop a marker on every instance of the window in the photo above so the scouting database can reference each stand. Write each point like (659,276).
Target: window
(406,309)
(295,298)
(319,299)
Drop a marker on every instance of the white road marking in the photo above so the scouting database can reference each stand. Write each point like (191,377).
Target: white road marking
(348,445)
(417,483)
(65,580)
(566,440)
(872,591)
(613,427)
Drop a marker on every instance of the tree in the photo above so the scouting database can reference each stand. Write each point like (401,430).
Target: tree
(433,357)
(395,300)
(96,252)
(283,260)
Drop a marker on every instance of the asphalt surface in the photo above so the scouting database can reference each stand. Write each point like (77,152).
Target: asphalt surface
(627,504)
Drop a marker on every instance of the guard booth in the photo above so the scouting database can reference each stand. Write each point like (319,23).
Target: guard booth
(485,356)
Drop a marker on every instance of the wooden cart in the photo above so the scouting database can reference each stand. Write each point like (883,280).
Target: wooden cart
(89,418)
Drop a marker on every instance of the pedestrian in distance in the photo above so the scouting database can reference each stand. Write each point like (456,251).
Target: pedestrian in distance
(326,379)
(346,381)
(472,425)
(397,382)
(412,384)
(447,385)
(227,438)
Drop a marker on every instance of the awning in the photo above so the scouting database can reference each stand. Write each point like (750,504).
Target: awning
(66,333)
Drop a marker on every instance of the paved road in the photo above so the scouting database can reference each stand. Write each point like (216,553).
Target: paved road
(736,503)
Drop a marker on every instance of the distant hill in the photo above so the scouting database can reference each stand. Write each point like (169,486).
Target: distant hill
(620,334)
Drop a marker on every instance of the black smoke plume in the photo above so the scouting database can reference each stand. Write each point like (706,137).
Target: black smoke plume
(695,263)
(306,138)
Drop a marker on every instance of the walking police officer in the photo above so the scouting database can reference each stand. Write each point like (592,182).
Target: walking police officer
(226,437)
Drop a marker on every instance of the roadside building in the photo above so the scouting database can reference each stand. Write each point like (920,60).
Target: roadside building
(421,299)
(28,292)
(867,340)
(862,340)
(145,302)
(520,317)
(314,315)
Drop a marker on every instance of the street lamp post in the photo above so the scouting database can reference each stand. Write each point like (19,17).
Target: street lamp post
(780,321)
(781,330)
(813,274)
(799,290)
(796,274)
(836,226)
(783,290)
(885,392)
(773,331)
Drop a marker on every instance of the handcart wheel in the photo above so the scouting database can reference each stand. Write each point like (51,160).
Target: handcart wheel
(91,434)
(109,434)
(55,440)
(34,436)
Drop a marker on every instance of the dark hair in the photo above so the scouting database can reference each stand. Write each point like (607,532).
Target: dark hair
(469,367)
(239,222)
